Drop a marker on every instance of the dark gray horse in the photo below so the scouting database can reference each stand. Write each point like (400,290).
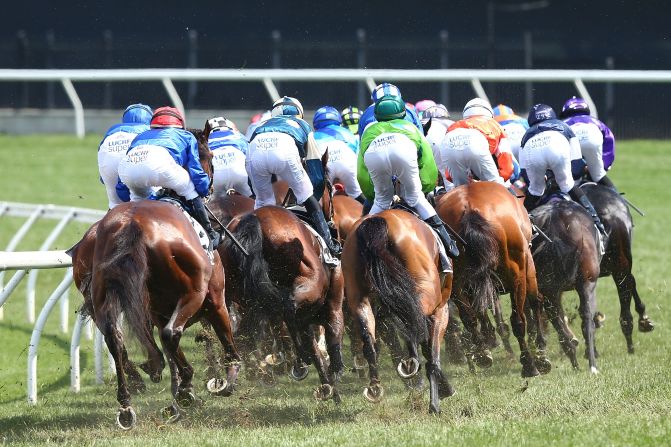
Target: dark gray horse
(617,262)
(571,261)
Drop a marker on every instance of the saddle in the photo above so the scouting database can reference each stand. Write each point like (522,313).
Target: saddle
(445,261)
(172,198)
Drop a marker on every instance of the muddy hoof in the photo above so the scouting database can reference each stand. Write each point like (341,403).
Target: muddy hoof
(126,418)
(373,393)
(599,319)
(299,373)
(575,342)
(275,359)
(185,398)
(408,368)
(645,324)
(446,390)
(216,385)
(359,362)
(529,371)
(323,392)
(171,414)
(484,359)
(543,364)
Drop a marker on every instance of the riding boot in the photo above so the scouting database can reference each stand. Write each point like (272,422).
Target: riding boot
(579,196)
(361,199)
(199,213)
(605,181)
(530,201)
(367,205)
(315,212)
(437,224)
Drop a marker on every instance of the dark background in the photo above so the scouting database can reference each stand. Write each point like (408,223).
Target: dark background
(239,34)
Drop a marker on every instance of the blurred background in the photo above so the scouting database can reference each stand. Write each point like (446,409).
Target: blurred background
(538,34)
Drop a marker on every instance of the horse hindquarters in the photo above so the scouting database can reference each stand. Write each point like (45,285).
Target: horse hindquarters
(119,285)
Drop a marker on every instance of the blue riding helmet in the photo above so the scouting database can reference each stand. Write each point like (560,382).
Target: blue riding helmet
(541,112)
(137,113)
(385,89)
(325,116)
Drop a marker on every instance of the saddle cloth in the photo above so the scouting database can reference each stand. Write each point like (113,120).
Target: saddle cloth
(324,253)
(197,227)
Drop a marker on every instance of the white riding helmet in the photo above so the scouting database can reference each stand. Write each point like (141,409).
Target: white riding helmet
(478,107)
(287,106)
(219,123)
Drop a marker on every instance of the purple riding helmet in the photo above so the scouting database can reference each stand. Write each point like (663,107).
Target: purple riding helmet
(576,110)
(575,106)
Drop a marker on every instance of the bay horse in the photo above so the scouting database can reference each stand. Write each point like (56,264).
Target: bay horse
(391,263)
(618,261)
(496,229)
(147,262)
(570,261)
(284,280)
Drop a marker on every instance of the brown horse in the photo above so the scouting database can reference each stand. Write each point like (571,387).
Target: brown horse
(147,262)
(284,280)
(392,263)
(497,232)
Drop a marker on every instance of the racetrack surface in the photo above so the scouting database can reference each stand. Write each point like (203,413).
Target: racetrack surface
(629,403)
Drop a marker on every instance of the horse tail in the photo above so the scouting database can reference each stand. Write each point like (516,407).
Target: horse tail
(254,268)
(481,259)
(390,280)
(124,276)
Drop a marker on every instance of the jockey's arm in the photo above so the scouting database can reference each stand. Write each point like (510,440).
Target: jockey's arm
(504,159)
(198,176)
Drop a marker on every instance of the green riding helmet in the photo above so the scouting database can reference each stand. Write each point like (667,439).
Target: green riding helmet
(350,119)
(389,108)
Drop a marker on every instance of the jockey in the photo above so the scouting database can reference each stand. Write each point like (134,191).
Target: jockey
(114,145)
(550,144)
(342,149)
(477,145)
(368,117)
(436,120)
(278,146)
(254,123)
(350,119)
(229,151)
(166,156)
(514,125)
(597,142)
(394,147)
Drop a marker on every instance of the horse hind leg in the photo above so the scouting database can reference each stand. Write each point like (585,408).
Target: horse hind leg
(221,323)
(552,305)
(518,323)
(326,390)
(439,387)
(501,327)
(587,293)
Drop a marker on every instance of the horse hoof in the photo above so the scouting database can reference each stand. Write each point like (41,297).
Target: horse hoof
(185,398)
(484,359)
(543,364)
(529,371)
(575,342)
(593,370)
(218,387)
(299,373)
(323,392)
(599,318)
(408,368)
(171,414)
(630,350)
(373,393)
(446,391)
(645,324)
(126,418)
(274,359)
(359,362)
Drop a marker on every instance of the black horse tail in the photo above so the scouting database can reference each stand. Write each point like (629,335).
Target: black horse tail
(124,277)
(481,259)
(253,269)
(390,280)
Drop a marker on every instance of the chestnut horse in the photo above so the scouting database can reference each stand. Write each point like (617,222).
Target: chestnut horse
(496,229)
(391,262)
(284,280)
(617,262)
(147,262)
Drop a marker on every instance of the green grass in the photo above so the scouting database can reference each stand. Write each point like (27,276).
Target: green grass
(629,403)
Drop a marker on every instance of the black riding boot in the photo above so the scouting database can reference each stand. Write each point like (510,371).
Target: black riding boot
(361,199)
(367,205)
(200,214)
(530,201)
(579,196)
(315,212)
(437,224)
(605,181)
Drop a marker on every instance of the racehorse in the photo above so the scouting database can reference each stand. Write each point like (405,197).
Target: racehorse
(617,262)
(148,263)
(496,229)
(391,261)
(568,260)
(284,280)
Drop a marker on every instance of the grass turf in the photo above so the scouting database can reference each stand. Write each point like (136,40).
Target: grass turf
(628,403)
